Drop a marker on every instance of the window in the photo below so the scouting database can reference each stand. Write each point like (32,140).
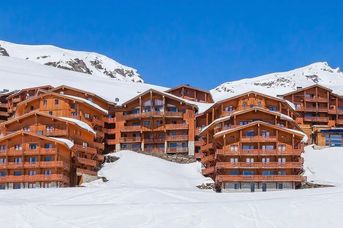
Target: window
(2,186)
(268,147)
(32,159)
(47,172)
(249,160)
(281,160)
(2,173)
(2,160)
(32,172)
(45,102)
(282,172)
(229,109)
(26,129)
(50,113)
(2,148)
(73,106)
(17,160)
(87,115)
(74,113)
(32,146)
(281,147)
(47,145)
(234,172)
(244,104)
(248,147)
(248,172)
(17,173)
(234,148)
(259,104)
(333,140)
(18,147)
(84,144)
(56,101)
(250,133)
(243,122)
(31,108)
(146,123)
(265,133)
(47,158)
(16,186)
(267,172)
(272,108)
(265,160)
(233,160)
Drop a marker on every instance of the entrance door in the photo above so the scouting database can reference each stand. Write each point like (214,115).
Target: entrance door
(252,187)
(264,187)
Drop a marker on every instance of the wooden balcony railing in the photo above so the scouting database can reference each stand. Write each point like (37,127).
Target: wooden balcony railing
(34,178)
(260,178)
(339,121)
(111,141)
(258,139)
(176,126)
(131,128)
(100,134)
(173,114)
(16,100)
(98,122)
(4,114)
(316,99)
(3,105)
(80,171)
(154,140)
(208,171)
(109,119)
(207,147)
(86,161)
(316,119)
(208,158)
(177,149)
(259,152)
(259,165)
(130,139)
(99,145)
(100,157)
(110,131)
(88,150)
(177,137)
(131,116)
(56,132)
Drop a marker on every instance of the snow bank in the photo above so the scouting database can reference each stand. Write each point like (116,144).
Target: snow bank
(139,170)
(324,166)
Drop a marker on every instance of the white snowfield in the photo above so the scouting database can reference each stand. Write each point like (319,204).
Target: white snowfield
(45,54)
(145,191)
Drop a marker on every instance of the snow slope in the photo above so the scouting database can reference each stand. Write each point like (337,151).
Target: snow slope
(17,73)
(284,82)
(90,63)
(145,191)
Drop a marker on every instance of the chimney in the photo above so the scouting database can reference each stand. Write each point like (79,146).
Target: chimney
(299,87)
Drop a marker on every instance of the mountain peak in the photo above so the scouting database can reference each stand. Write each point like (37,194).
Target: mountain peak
(284,82)
(80,61)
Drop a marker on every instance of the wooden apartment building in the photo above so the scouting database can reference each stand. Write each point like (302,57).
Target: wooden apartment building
(320,114)
(251,142)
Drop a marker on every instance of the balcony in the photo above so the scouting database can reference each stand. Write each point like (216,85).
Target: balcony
(199,142)
(88,150)
(130,139)
(176,126)
(259,152)
(110,131)
(56,132)
(99,145)
(154,140)
(177,137)
(207,147)
(131,128)
(176,150)
(316,119)
(207,158)
(3,105)
(208,171)
(339,121)
(154,150)
(86,161)
(111,141)
(132,116)
(260,178)
(152,114)
(80,171)
(98,122)
(316,99)
(34,178)
(259,165)
(4,114)
(258,139)
(109,120)
(100,157)
(173,114)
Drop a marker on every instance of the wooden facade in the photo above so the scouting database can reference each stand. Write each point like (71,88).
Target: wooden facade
(251,142)
(191,93)
(319,110)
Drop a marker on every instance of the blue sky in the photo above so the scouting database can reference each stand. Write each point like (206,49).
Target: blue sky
(202,43)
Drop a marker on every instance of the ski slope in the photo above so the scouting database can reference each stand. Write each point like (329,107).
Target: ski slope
(145,191)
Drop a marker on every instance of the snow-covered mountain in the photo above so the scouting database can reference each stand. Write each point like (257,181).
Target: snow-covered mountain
(85,62)
(283,82)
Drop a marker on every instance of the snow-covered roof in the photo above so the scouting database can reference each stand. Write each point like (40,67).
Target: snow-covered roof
(80,124)
(88,102)
(67,142)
